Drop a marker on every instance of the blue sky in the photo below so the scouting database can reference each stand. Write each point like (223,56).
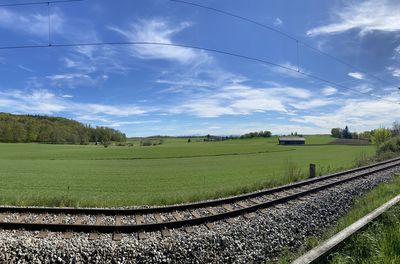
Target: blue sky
(147,90)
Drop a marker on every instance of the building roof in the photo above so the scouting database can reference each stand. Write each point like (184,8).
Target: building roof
(292,139)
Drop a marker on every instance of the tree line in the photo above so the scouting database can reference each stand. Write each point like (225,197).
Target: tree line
(376,136)
(46,129)
(265,133)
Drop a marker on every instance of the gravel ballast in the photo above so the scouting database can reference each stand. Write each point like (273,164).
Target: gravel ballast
(252,240)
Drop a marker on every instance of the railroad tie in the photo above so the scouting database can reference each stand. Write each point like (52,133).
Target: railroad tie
(138,219)
(158,218)
(249,216)
(166,232)
(142,235)
(79,220)
(210,225)
(177,216)
(59,219)
(230,220)
(40,218)
(117,236)
(242,204)
(21,218)
(255,201)
(43,234)
(2,217)
(98,219)
(118,220)
(195,214)
(93,236)
(68,235)
(189,229)
(212,211)
(228,207)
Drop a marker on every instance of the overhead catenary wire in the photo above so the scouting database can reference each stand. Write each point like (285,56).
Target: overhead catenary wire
(252,21)
(263,61)
(49,22)
(298,70)
(39,3)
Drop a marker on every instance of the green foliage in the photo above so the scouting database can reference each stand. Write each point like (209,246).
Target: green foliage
(389,146)
(380,135)
(45,129)
(346,133)
(336,132)
(293,171)
(265,133)
(343,133)
(379,243)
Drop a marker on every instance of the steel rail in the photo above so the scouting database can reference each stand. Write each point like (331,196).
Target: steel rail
(192,221)
(186,206)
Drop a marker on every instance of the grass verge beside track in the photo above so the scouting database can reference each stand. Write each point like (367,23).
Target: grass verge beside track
(379,243)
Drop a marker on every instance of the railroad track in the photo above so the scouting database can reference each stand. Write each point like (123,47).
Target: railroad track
(141,220)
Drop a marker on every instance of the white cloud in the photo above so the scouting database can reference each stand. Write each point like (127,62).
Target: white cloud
(311,104)
(359,114)
(35,23)
(26,68)
(366,16)
(278,22)
(45,102)
(292,70)
(356,75)
(364,88)
(160,31)
(237,99)
(329,91)
(394,71)
(68,80)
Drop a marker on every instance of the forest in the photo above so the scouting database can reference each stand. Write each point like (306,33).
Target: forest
(46,129)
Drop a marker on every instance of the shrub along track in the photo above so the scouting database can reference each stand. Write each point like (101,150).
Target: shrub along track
(141,220)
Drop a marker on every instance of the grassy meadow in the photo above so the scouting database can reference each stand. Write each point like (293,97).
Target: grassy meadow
(175,171)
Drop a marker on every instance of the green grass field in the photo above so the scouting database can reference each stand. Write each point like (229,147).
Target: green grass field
(176,171)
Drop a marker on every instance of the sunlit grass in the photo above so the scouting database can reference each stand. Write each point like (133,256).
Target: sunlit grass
(174,172)
(379,243)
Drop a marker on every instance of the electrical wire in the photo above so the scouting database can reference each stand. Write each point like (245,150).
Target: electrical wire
(286,35)
(263,61)
(40,3)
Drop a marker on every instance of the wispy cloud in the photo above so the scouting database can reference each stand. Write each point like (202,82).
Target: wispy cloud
(291,71)
(240,100)
(361,114)
(366,16)
(32,23)
(329,91)
(68,80)
(312,104)
(395,71)
(42,101)
(356,75)
(278,22)
(159,30)
(26,69)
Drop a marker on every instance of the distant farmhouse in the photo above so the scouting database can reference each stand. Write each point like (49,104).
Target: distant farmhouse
(292,141)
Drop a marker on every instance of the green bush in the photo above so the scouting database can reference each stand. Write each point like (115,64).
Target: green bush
(390,146)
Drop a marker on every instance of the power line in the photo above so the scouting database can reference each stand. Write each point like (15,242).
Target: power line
(263,61)
(286,35)
(40,3)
